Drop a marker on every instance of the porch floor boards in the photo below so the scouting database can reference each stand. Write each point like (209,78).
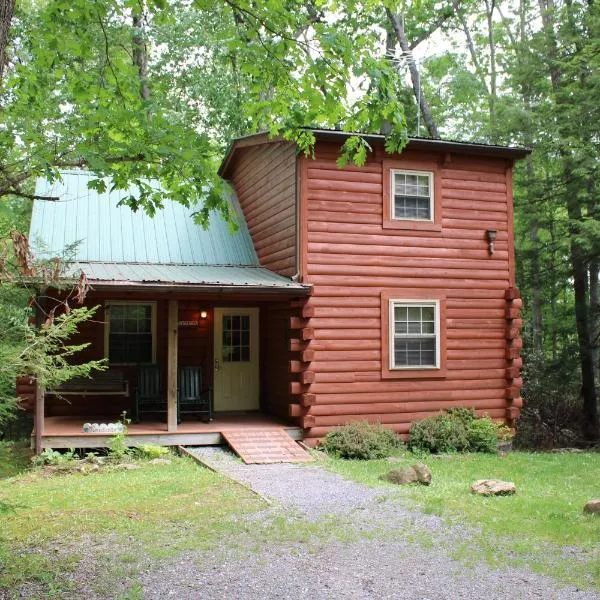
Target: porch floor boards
(67,432)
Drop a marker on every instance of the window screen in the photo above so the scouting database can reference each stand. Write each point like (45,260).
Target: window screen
(414,335)
(412,195)
(130,333)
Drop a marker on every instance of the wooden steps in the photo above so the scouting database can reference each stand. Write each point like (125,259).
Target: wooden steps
(266,446)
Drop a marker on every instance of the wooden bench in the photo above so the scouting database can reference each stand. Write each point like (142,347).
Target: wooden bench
(101,383)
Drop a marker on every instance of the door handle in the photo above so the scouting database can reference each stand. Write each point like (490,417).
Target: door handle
(217,364)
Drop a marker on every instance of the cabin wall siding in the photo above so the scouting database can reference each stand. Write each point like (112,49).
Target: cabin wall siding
(351,259)
(264,178)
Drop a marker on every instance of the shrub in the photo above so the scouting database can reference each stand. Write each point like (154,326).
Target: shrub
(483,435)
(54,457)
(440,433)
(151,451)
(457,430)
(361,440)
(551,415)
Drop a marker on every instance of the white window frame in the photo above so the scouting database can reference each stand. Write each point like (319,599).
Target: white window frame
(107,305)
(392,333)
(431,175)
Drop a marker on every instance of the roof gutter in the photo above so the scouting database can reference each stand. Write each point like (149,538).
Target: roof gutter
(296,290)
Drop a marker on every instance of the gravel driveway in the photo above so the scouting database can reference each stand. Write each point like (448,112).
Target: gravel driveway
(381,558)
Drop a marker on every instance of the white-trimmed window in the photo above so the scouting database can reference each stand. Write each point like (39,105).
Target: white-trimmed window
(130,332)
(412,195)
(414,334)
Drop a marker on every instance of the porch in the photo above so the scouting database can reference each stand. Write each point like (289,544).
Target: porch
(238,345)
(67,431)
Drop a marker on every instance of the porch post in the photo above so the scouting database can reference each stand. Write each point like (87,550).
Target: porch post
(173,323)
(39,417)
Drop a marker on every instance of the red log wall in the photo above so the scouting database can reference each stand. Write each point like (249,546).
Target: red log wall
(352,259)
(264,177)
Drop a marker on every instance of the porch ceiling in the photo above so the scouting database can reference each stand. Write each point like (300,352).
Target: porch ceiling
(148,275)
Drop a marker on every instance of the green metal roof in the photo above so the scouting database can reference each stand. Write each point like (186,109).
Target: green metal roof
(119,247)
(109,233)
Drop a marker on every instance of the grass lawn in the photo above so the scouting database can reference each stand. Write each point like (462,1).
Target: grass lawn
(157,510)
(542,525)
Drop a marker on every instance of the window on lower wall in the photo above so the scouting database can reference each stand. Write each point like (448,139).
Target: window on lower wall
(130,332)
(414,335)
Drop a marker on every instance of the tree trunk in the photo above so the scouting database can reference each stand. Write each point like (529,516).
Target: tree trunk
(414,75)
(140,55)
(536,279)
(591,425)
(7,9)
(594,315)
(489,4)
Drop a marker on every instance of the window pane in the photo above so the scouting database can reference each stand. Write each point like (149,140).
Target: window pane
(415,339)
(414,313)
(130,333)
(414,352)
(412,196)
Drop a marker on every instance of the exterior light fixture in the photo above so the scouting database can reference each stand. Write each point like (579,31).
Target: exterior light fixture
(203,314)
(490,234)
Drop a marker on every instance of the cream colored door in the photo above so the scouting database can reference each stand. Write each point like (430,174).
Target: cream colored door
(236,359)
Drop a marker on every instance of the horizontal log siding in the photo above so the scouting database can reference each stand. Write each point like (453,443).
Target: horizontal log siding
(265,181)
(350,258)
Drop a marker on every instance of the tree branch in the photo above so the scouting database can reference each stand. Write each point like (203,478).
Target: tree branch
(414,75)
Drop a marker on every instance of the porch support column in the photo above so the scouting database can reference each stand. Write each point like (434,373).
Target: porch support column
(173,322)
(40,392)
(39,417)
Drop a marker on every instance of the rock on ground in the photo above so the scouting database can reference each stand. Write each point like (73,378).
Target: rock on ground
(592,506)
(493,487)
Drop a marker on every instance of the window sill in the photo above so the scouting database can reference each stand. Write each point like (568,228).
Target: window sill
(407,224)
(413,373)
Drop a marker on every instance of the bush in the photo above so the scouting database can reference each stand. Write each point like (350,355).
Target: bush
(551,415)
(457,430)
(151,451)
(441,433)
(54,457)
(361,440)
(483,436)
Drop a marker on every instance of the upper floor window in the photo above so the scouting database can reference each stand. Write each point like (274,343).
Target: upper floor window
(412,195)
(130,332)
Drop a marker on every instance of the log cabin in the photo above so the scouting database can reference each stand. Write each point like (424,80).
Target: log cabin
(384,292)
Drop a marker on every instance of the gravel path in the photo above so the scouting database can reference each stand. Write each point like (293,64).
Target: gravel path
(380,559)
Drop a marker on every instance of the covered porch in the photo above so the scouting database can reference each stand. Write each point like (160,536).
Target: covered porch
(240,341)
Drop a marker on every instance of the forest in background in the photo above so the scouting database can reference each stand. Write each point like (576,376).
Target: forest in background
(154,89)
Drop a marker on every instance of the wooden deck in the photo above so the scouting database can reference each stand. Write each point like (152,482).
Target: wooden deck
(67,432)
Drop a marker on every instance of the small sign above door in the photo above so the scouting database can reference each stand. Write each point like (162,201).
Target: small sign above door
(188,323)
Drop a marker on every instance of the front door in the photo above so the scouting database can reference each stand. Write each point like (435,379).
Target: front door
(236,359)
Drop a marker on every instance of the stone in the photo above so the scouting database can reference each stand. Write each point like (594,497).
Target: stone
(160,461)
(128,466)
(592,507)
(493,487)
(418,473)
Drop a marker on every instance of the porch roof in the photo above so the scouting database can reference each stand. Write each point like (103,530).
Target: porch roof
(194,276)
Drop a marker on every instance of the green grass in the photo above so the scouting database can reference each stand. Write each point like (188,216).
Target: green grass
(15,457)
(536,525)
(155,511)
